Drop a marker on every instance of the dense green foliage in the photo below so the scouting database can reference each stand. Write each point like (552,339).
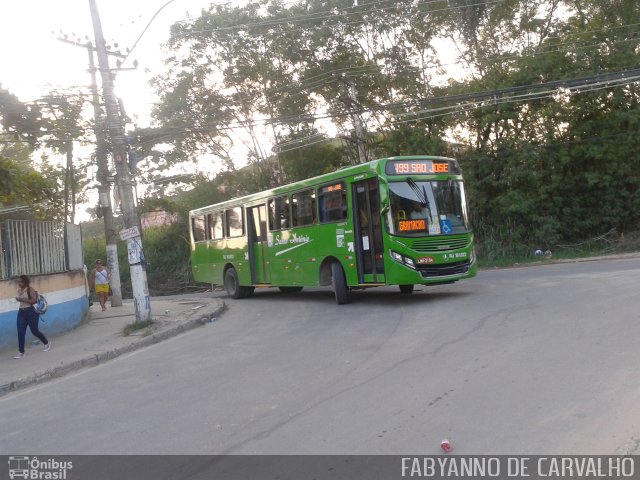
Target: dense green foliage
(543,120)
(167,253)
(51,125)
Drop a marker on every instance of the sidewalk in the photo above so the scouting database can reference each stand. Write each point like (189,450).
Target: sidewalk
(100,338)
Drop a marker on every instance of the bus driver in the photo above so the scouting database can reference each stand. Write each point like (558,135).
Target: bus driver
(418,211)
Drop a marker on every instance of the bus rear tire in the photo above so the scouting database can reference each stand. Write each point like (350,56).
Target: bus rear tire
(290,289)
(339,283)
(406,288)
(232,285)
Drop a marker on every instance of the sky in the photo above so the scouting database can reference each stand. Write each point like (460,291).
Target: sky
(33,61)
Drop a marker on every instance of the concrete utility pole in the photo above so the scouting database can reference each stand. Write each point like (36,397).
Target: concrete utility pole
(131,234)
(105,187)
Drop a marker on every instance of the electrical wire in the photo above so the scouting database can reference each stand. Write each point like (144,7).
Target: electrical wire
(335,16)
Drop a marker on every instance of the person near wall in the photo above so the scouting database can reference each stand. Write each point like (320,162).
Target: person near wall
(100,277)
(27,315)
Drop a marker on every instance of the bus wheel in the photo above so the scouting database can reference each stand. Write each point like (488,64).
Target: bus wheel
(406,288)
(339,282)
(290,289)
(232,285)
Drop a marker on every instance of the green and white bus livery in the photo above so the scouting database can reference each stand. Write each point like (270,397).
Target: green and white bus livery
(395,221)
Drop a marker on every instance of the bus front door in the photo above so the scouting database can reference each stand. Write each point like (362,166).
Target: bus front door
(257,220)
(368,231)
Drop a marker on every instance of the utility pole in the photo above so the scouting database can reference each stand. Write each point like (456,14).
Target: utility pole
(131,234)
(104,190)
(68,178)
(356,118)
(357,123)
(105,187)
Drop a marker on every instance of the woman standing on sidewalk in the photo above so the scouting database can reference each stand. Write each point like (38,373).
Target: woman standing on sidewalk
(101,277)
(27,315)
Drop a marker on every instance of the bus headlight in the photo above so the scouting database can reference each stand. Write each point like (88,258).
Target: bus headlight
(472,256)
(402,259)
(396,256)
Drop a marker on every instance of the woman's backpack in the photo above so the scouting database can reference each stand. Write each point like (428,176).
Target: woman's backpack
(41,304)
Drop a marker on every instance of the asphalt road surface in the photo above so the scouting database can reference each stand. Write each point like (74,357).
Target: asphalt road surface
(538,360)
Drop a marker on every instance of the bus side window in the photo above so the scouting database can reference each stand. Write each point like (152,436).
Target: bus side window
(198,228)
(285,213)
(279,213)
(234,222)
(332,203)
(304,208)
(215,226)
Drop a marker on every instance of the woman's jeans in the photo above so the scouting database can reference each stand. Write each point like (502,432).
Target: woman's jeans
(28,317)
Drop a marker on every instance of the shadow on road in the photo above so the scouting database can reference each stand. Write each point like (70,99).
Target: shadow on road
(371,296)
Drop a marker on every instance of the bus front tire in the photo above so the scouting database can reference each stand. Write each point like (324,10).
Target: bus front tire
(339,283)
(406,288)
(232,285)
(290,289)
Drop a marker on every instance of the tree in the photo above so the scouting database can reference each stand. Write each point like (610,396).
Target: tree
(50,125)
(22,186)
(20,121)
(63,124)
(545,121)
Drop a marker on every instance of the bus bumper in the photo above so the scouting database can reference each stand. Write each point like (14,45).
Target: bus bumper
(428,274)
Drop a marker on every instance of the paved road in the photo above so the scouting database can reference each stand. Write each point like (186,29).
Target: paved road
(532,360)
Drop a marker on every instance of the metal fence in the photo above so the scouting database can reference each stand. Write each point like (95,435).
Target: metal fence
(32,248)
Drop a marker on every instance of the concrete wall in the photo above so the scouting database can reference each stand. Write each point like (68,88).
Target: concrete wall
(68,304)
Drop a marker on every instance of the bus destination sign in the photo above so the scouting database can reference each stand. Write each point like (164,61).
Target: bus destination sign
(416,167)
(332,188)
(412,225)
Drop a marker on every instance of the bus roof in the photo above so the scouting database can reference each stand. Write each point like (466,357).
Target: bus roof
(374,166)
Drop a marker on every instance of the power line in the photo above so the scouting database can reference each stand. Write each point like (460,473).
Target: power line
(279,22)
(135,44)
(576,84)
(322,78)
(609,80)
(374,68)
(322,15)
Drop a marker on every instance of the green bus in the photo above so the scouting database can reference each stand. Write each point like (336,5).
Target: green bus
(394,221)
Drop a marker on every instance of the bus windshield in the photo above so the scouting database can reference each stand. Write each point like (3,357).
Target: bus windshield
(434,207)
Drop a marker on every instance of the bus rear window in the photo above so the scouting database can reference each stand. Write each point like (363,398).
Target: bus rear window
(198,228)
(234,221)
(279,216)
(304,208)
(332,203)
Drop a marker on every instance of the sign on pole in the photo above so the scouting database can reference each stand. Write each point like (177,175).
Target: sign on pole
(128,233)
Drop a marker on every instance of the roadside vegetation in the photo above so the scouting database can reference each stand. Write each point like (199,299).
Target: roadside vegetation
(539,100)
(135,327)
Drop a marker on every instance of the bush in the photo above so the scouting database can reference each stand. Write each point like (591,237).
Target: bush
(167,254)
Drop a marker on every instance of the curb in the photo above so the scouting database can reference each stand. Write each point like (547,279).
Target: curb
(559,261)
(103,357)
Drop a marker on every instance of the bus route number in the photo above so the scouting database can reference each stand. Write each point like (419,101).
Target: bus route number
(419,167)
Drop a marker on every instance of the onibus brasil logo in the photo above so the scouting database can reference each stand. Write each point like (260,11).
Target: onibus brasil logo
(35,469)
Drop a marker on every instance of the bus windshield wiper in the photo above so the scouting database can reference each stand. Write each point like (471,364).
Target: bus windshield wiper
(422,197)
(426,202)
